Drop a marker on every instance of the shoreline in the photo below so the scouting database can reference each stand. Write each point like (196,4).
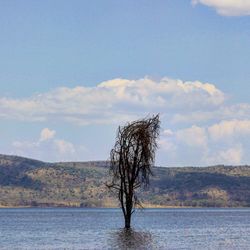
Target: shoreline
(146,207)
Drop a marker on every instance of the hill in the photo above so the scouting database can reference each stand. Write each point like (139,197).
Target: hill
(27,182)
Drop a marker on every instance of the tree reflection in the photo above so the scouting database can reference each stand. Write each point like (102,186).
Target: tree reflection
(130,239)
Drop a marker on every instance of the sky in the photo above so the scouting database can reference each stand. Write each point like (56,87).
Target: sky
(72,71)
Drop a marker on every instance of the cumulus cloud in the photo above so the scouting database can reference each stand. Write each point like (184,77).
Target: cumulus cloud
(227,7)
(202,125)
(221,143)
(113,101)
(194,136)
(226,129)
(64,147)
(231,156)
(48,147)
(225,111)
(47,134)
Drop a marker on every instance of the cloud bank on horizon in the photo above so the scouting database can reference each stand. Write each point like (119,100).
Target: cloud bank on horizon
(227,7)
(114,101)
(48,146)
(201,125)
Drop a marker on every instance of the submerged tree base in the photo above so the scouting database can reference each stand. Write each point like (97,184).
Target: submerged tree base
(131,239)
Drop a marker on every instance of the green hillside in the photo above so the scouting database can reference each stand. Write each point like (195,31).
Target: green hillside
(26,182)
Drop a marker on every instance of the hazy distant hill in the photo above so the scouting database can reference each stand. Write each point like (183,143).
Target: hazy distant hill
(26,182)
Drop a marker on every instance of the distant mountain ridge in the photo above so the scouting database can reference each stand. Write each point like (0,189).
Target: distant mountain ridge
(28,182)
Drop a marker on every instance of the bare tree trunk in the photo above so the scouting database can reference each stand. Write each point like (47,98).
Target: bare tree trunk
(127,221)
(129,207)
(131,161)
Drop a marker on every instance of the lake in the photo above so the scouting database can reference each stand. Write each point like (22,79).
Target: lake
(80,228)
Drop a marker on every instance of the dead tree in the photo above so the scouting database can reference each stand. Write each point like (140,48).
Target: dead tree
(131,162)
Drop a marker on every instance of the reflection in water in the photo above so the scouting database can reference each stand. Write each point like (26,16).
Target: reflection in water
(130,239)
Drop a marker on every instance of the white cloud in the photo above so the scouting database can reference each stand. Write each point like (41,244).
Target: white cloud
(231,156)
(47,134)
(168,132)
(194,136)
(64,147)
(227,7)
(226,142)
(113,101)
(49,148)
(203,126)
(226,129)
(238,111)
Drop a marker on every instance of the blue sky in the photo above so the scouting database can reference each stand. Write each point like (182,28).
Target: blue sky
(72,71)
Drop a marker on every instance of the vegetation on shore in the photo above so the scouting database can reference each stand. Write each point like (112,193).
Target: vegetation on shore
(25,182)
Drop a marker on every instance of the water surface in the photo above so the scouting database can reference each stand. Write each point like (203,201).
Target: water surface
(57,228)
